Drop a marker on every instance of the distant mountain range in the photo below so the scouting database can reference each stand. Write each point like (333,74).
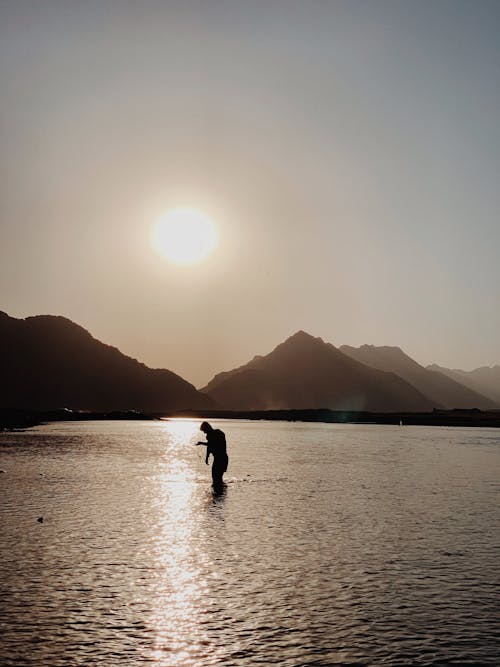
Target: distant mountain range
(485,380)
(444,391)
(49,362)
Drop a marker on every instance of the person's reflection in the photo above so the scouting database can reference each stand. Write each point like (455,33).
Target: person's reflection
(218,494)
(215,502)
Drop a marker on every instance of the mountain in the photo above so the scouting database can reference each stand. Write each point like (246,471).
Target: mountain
(305,372)
(49,362)
(485,380)
(441,390)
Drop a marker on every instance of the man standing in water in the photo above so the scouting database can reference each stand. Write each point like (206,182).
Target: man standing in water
(216,445)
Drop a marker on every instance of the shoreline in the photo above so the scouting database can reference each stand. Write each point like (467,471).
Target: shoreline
(19,419)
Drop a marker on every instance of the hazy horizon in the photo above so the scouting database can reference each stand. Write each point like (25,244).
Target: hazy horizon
(348,154)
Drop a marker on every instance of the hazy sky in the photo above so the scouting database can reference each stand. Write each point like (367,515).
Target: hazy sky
(348,152)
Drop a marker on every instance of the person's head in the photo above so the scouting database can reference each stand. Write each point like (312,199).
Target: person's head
(205,427)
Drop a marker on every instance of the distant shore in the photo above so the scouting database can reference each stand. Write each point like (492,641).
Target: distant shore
(12,420)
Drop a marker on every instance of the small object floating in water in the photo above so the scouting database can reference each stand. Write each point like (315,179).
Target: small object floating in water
(40,519)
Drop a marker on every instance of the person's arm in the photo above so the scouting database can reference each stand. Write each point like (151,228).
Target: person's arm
(209,451)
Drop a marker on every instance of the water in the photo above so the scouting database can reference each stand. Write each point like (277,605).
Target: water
(333,544)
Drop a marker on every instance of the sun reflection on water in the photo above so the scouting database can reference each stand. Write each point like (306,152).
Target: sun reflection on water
(180,595)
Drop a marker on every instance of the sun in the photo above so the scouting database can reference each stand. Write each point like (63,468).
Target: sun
(184,236)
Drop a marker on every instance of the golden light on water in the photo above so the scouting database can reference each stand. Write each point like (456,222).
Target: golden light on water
(185,236)
(181,564)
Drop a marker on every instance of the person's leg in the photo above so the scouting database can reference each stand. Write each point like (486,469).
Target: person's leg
(217,473)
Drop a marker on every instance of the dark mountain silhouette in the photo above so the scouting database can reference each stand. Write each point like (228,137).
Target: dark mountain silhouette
(305,372)
(441,390)
(485,380)
(49,362)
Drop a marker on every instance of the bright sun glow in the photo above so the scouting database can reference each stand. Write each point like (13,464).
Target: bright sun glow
(184,236)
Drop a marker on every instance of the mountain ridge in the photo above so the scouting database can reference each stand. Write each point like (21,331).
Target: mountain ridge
(49,361)
(484,379)
(304,371)
(443,391)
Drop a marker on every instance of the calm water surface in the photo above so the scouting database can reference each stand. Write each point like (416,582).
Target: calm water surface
(332,544)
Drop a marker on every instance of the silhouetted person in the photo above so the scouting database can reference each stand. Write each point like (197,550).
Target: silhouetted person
(216,445)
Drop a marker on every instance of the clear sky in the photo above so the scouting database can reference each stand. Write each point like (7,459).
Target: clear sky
(347,151)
